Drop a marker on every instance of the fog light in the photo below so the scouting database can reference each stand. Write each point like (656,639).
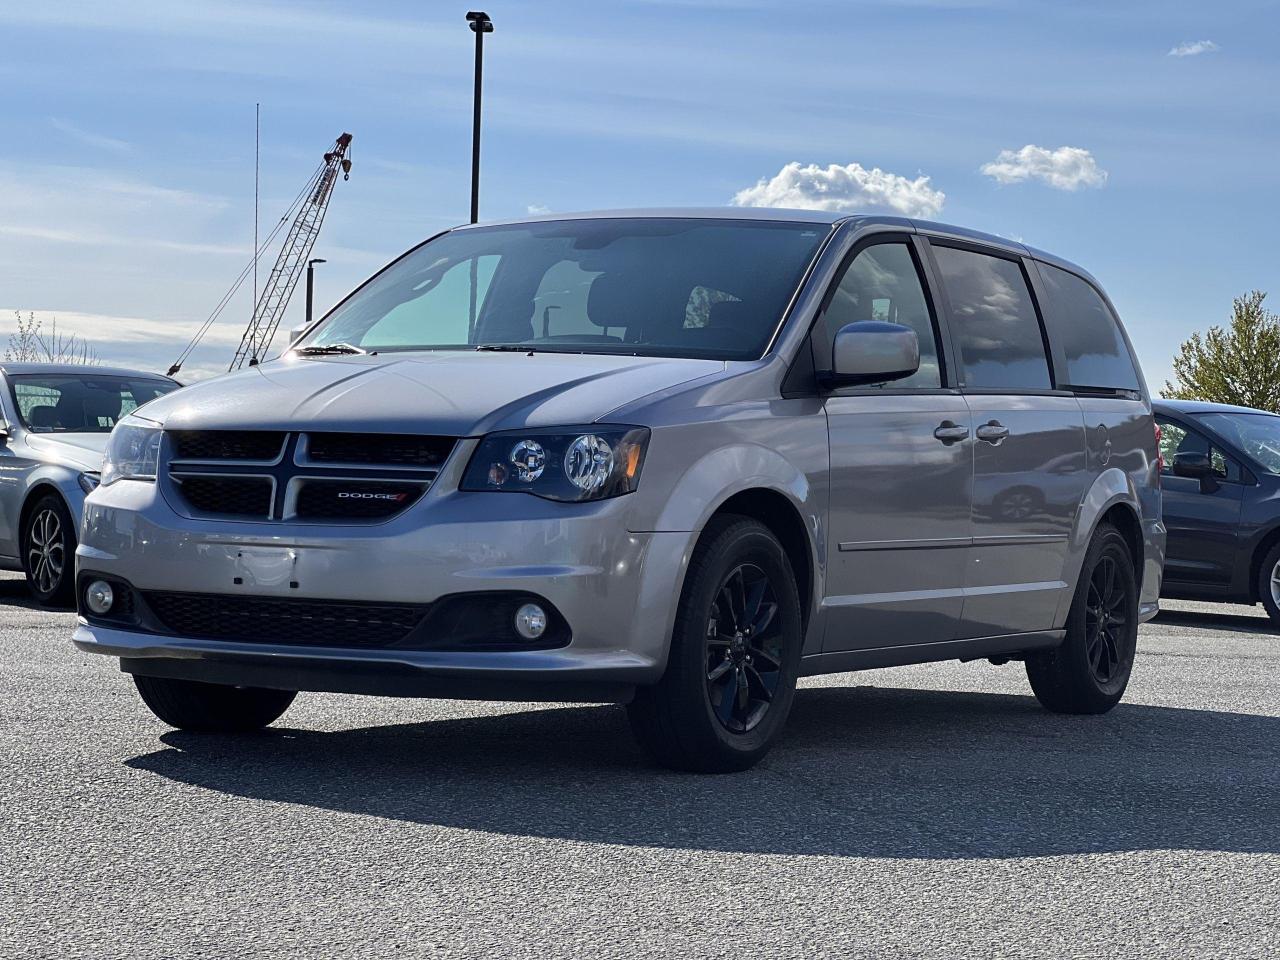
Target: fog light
(531,621)
(99,597)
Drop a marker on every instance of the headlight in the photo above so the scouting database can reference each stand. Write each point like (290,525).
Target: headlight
(573,463)
(133,451)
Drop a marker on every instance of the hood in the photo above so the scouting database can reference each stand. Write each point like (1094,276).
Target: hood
(449,393)
(83,450)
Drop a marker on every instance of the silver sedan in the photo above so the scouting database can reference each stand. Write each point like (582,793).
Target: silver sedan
(54,422)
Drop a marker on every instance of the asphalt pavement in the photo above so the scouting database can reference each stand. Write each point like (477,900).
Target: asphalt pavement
(931,811)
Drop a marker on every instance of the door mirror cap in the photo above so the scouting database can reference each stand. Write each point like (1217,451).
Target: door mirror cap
(871,351)
(296,332)
(1193,466)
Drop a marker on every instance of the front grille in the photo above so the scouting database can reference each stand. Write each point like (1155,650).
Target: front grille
(378,449)
(272,475)
(320,623)
(227,444)
(335,499)
(230,496)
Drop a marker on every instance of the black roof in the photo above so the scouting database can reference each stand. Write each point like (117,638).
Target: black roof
(1190,407)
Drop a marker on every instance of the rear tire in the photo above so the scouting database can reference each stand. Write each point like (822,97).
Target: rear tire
(1269,584)
(734,658)
(211,707)
(1089,671)
(49,552)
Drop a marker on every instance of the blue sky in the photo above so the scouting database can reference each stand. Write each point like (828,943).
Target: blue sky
(128,168)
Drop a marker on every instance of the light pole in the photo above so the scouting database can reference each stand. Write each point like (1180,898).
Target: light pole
(480,25)
(311,282)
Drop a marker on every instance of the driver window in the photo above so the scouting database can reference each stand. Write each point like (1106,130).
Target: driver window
(883,284)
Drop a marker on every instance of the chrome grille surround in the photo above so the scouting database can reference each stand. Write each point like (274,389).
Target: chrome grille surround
(302,489)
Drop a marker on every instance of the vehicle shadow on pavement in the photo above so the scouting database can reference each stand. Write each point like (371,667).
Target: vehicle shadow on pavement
(862,771)
(14,592)
(1227,622)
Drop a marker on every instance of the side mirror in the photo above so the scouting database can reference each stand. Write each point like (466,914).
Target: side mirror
(871,351)
(1193,466)
(1196,466)
(296,332)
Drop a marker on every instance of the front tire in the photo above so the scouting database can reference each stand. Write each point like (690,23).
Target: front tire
(49,552)
(734,659)
(1089,671)
(211,707)
(1269,584)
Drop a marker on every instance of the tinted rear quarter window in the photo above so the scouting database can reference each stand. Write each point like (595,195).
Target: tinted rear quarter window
(996,327)
(1078,319)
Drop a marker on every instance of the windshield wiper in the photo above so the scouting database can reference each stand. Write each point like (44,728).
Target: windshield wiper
(506,347)
(321,350)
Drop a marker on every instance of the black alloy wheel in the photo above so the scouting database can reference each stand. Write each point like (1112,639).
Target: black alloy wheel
(1089,671)
(744,648)
(1106,620)
(730,678)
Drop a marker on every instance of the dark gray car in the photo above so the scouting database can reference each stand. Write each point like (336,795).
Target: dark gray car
(54,422)
(677,459)
(1221,503)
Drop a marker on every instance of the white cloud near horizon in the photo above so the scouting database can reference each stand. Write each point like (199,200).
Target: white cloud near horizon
(1193,48)
(1064,168)
(843,189)
(138,342)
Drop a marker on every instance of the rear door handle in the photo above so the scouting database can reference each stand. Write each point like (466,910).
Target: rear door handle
(950,432)
(992,432)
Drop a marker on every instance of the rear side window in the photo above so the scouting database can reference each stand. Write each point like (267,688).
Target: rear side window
(1079,319)
(996,327)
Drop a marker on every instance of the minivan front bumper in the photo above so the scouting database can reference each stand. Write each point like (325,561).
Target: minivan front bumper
(611,586)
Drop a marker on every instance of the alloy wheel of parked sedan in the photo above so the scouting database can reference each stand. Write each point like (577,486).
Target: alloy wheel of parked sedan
(46,551)
(49,548)
(744,648)
(1275,584)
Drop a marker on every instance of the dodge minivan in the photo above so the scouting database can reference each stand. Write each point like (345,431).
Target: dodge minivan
(673,459)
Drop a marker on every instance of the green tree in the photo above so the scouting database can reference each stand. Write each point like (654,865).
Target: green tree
(1239,364)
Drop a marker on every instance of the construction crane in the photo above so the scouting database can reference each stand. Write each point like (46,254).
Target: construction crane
(307,212)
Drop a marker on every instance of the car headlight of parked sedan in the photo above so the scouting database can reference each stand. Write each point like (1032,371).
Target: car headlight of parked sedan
(133,452)
(568,463)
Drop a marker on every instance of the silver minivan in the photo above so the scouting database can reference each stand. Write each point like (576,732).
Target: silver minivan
(674,459)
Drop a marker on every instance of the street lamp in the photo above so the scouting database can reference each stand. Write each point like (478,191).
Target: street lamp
(480,25)
(311,281)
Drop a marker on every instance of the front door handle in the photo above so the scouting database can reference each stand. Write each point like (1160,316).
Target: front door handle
(992,432)
(950,432)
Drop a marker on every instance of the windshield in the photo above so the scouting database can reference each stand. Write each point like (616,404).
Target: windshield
(1257,434)
(662,287)
(80,403)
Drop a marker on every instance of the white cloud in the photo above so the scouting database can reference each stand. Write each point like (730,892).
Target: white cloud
(95,141)
(848,189)
(1193,48)
(1066,168)
(137,342)
(537,209)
